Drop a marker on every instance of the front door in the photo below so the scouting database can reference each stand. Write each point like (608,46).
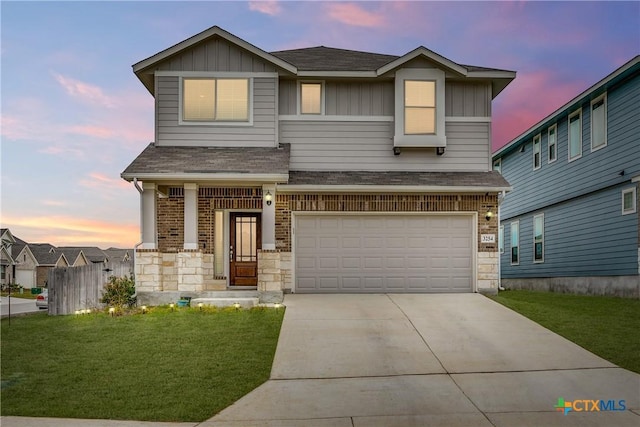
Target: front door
(245,239)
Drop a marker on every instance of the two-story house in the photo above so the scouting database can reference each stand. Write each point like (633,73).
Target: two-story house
(315,170)
(571,222)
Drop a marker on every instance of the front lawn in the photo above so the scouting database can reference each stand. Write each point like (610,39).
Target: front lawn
(182,365)
(606,326)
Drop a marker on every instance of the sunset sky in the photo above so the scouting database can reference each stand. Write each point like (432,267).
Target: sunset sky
(74,115)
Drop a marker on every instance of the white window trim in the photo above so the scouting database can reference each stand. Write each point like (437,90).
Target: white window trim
(555,128)
(247,123)
(501,239)
(603,98)
(634,201)
(572,115)
(517,224)
(538,261)
(498,162)
(299,98)
(438,139)
(537,140)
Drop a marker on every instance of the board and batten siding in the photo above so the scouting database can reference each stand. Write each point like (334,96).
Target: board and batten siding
(587,236)
(362,145)
(560,180)
(262,133)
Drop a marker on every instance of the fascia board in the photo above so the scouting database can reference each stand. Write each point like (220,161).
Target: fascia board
(303,188)
(191,177)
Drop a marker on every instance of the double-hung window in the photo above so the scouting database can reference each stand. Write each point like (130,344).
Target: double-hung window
(537,159)
(419,107)
(515,243)
(629,201)
(575,135)
(311,98)
(552,144)
(538,238)
(215,100)
(599,122)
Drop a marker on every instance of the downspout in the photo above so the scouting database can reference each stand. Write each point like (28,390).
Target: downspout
(500,200)
(135,247)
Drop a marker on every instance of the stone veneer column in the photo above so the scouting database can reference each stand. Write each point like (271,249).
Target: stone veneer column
(269,276)
(190,271)
(148,271)
(488,272)
(148,217)
(190,216)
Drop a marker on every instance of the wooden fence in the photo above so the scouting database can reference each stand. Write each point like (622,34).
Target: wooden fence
(80,288)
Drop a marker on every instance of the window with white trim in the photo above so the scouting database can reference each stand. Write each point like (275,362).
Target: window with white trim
(515,243)
(215,100)
(599,122)
(501,239)
(552,144)
(497,165)
(629,201)
(538,238)
(419,107)
(537,160)
(311,98)
(575,135)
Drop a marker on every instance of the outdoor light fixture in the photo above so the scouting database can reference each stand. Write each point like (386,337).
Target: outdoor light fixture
(236,305)
(440,151)
(144,309)
(200,306)
(77,312)
(88,310)
(112,310)
(268,198)
(488,215)
(171,306)
(277,306)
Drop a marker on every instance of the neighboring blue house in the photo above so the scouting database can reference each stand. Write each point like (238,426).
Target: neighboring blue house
(570,223)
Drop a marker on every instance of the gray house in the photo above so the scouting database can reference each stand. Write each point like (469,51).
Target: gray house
(571,222)
(315,170)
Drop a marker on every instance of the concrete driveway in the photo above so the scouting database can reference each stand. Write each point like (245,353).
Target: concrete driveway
(415,360)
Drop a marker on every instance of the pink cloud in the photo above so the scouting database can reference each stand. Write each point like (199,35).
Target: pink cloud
(61,150)
(85,91)
(92,131)
(267,7)
(354,15)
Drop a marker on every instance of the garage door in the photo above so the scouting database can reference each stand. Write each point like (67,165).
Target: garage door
(25,278)
(383,253)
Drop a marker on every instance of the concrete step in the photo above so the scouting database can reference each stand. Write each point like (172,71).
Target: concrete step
(244,302)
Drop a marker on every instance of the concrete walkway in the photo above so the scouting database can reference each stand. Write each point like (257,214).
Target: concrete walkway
(416,360)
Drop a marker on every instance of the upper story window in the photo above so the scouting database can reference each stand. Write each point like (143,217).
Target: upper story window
(629,201)
(215,100)
(311,98)
(552,144)
(537,159)
(419,107)
(497,165)
(599,122)
(575,135)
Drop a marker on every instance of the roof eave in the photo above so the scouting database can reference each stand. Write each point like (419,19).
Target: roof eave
(220,177)
(302,188)
(422,51)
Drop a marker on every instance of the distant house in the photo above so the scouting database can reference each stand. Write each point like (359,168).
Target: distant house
(318,170)
(75,256)
(570,223)
(118,255)
(25,264)
(93,255)
(47,258)
(6,259)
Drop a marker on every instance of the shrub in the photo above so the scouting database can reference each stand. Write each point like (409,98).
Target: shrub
(119,292)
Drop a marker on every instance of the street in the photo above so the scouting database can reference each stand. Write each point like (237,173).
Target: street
(18,306)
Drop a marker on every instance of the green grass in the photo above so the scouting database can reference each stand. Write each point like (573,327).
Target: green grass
(26,294)
(606,326)
(185,365)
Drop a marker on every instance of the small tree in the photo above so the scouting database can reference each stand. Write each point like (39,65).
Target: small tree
(119,292)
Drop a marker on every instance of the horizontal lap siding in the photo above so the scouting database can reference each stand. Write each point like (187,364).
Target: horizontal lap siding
(261,133)
(584,237)
(334,145)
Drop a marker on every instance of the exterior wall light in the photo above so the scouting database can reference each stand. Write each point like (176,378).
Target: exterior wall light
(268,198)
(488,215)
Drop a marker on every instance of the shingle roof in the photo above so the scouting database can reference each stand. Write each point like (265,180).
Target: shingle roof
(205,160)
(436,179)
(92,253)
(322,58)
(43,254)
(71,254)
(116,254)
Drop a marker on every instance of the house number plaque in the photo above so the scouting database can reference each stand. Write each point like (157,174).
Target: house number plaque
(487,238)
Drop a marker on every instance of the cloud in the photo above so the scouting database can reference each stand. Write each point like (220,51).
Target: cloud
(268,7)
(354,15)
(92,131)
(66,230)
(84,91)
(54,203)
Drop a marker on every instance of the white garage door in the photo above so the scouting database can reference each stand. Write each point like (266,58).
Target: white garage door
(383,253)
(25,278)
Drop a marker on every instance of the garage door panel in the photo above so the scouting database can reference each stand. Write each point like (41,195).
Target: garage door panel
(384,253)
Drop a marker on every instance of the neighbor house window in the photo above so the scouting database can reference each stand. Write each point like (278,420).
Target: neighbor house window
(310,98)
(599,122)
(536,152)
(552,143)
(628,201)
(419,107)
(497,165)
(215,100)
(515,243)
(575,135)
(501,239)
(538,238)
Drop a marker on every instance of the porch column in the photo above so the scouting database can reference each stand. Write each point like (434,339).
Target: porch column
(190,216)
(148,216)
(269,218)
